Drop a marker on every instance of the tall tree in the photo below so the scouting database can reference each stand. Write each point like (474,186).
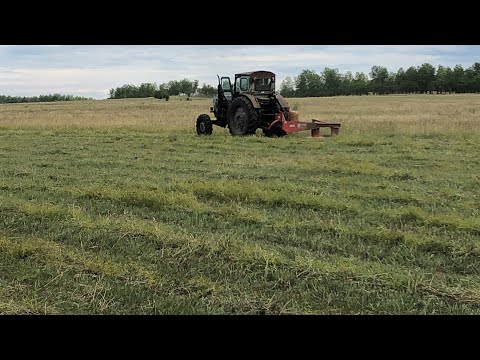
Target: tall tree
(476,72)
(346,86)
(360,84)
(332,81)
(308,83)
(469,80)
(379,76)
(146,90)
(173,87)
(411,77)
(287,88)
(441,80)
(450,80)
(458,78)
(207,90)
(401,81)
(425,77)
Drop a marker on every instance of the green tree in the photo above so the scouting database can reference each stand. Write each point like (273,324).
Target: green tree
(308,83)
(146,90)
(401,81)
(411,80)
(360,84)
(185,86)
(476,72)
(174,87)
(301,85)
(331,81)
(346,86)
(469,80)
(287,88)
(379,76)
(425,77)
(458,78)
(390,84)
(440,83)
(207,90)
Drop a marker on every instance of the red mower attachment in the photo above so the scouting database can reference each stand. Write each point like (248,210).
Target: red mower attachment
(314,126)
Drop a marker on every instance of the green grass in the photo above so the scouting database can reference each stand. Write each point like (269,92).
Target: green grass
(118,220)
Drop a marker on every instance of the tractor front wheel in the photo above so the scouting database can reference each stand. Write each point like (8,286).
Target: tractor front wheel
(204,125)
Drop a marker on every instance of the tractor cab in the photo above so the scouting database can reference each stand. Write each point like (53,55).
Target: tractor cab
(255,83)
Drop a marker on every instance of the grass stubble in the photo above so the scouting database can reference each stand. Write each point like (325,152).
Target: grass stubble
(117,207)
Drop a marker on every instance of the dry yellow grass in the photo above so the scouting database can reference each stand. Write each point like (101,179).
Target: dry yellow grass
(393,114)
(404,114)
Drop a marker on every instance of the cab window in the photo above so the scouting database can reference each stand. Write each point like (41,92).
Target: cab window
(241,84)
(263,84)
(244,84)
(226,84)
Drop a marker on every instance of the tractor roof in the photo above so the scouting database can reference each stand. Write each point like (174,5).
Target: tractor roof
(260,73)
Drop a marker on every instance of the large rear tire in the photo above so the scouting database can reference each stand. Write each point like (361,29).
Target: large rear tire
(242,117)
(204,125)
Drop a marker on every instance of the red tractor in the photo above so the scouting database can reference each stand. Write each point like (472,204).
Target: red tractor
(251,104)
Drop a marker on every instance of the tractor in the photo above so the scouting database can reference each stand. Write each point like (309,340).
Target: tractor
(251,104)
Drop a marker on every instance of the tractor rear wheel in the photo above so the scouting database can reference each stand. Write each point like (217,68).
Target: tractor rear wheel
(242,117)
(204,125)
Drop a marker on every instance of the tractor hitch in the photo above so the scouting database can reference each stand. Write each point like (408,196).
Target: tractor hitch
(290,126)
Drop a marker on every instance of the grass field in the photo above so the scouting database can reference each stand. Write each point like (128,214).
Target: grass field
(117,207)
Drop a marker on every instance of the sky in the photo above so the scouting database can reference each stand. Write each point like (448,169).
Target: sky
(92,70)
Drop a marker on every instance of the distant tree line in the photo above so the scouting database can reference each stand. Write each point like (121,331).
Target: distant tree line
(421,79)
(162,91)
(42,98)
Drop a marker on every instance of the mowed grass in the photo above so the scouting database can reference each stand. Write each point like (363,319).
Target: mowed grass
(117,207)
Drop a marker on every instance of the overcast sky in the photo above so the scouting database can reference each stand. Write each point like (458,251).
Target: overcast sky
(91,70)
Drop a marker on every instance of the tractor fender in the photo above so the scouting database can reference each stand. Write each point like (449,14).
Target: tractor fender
(282,101)
(253,100)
